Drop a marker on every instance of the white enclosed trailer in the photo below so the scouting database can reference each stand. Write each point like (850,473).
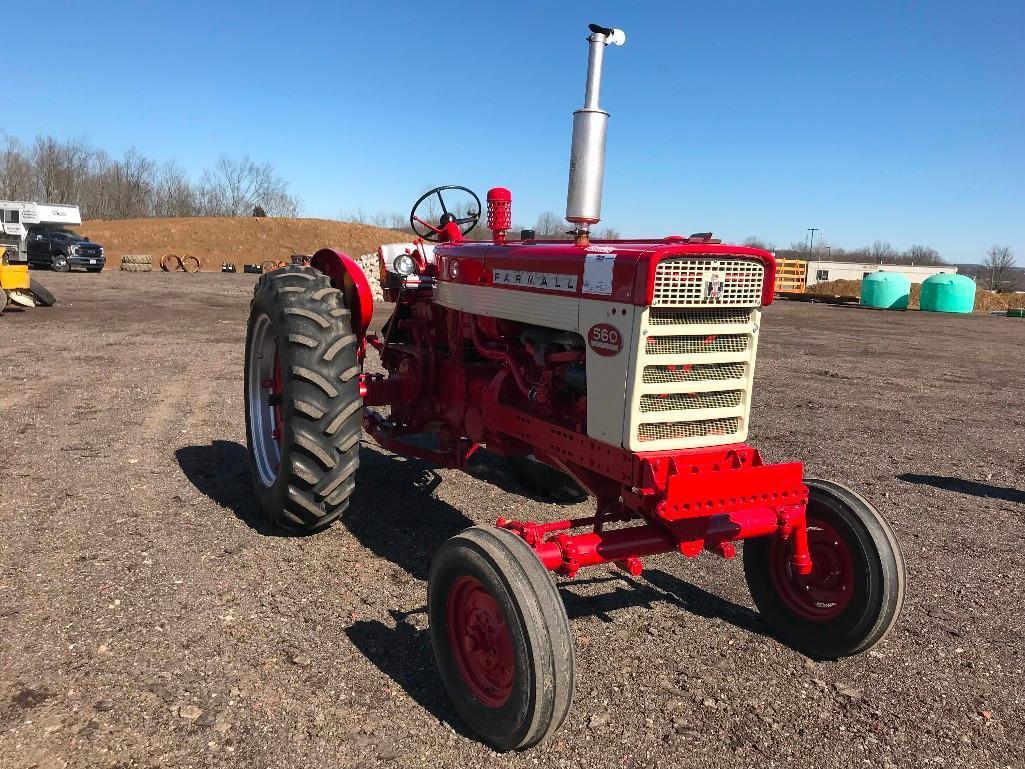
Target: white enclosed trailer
(820,271)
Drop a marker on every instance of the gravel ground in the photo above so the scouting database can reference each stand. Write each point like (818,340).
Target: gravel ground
(149,619)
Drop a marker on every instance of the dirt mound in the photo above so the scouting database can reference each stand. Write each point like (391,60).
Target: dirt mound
(242,239)
(985,301)
(836,288)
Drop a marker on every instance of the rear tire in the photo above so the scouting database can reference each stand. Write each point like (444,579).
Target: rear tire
(303,423)
(501,637)
(43,297)
(855,592)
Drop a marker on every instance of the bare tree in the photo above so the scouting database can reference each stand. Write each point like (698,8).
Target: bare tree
(172,193)
(550,226)
(608,233)
(881,251)
(17,181)
(924,255)
(59,168)
(999,265)
(235,187)
(756,242)
(131,186)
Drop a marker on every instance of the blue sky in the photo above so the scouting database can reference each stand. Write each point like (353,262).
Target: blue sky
(896,121)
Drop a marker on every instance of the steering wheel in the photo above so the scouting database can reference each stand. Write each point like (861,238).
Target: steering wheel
(434,234)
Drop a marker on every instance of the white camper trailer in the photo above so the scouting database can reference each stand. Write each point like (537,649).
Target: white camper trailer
(18,215)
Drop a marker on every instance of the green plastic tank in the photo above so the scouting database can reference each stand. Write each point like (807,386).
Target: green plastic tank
(948,293)
(885,291)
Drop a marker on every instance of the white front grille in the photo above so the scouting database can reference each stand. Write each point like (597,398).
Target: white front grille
(684,401)
(671,316)
(696,345)
(701,432)
(693,372)
(691,383)
(708,281)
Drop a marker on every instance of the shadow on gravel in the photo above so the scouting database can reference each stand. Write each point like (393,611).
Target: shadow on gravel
(976,489)
(656,586)
(395,514)
(404,654)
(696,600)
(392,512)
(221,472)
(498,471)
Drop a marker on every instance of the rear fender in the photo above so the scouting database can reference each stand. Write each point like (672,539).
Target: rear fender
(347,276)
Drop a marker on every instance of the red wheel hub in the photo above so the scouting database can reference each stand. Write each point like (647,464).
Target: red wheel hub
(480,642)
(276,389)
(826,592)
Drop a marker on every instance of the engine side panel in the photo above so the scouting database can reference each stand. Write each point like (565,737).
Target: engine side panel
(610,331)
(559,312)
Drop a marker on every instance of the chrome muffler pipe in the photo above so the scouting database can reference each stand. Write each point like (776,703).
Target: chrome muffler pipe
(590,126)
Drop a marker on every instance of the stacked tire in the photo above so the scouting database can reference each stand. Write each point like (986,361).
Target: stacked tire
(136,263)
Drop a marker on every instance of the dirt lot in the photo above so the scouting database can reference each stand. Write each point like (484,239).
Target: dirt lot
(149,619)
(238,239)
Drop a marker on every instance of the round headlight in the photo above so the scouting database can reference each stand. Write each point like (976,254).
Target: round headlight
(404,264)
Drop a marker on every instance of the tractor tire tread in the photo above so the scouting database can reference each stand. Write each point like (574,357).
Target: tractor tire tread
(321,411)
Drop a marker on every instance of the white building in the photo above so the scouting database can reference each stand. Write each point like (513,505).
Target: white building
(820,272)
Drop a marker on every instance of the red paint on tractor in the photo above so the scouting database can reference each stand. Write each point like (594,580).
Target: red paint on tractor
(347,276)
(480,641)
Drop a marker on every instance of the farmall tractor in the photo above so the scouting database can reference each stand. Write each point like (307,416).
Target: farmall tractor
(625,365)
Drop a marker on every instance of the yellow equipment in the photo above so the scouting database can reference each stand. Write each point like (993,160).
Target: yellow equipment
(15,284)
(791,276)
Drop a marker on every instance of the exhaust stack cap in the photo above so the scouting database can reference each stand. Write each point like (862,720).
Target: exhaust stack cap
(590,126)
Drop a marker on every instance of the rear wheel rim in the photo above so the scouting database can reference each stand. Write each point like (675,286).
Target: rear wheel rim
(480,641)
(266,391)
(825,593)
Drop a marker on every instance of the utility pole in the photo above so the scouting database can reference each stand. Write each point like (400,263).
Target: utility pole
(811,241)
(829,252)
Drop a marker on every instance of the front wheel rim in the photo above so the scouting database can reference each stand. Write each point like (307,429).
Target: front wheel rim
(481,642)
(265,401)
(825,593)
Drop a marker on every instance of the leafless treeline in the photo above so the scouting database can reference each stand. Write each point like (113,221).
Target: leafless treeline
(54,171)
(549,226)
(880,252)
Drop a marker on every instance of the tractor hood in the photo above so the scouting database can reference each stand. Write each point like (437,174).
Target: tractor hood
(615,271)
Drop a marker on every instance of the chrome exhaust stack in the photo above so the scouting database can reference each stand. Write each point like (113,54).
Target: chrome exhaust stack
(590,126)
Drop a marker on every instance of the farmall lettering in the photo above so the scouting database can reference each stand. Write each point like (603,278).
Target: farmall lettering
(547,281)
(635,390)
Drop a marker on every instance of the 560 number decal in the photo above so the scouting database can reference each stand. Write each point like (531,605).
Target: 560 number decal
(605,339)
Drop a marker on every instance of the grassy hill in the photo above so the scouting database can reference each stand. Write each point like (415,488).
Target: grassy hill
(243,240)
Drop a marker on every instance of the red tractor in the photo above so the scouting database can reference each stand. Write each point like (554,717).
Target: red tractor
(625,365)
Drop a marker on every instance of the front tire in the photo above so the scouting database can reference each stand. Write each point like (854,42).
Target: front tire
(501,637)
(303,404)
(854,594)
(60,263)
